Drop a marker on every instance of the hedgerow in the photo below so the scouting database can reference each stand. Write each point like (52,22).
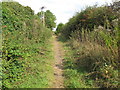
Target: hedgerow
(93,35)
(23,35)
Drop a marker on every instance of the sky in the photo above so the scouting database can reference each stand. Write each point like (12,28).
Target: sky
(62,9)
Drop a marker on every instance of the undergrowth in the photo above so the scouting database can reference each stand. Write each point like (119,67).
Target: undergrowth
(92,38)
(91,62)
(74,75)
(26,52)
(99,59)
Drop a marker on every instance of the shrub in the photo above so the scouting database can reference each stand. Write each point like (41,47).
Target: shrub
(98,55)
(21,30)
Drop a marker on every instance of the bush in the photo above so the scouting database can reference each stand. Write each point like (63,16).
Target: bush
(90,18)
(22,30)
(98,55)
(93,35)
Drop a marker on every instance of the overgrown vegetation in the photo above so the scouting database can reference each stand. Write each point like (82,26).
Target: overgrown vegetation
(59,28)
(93,40)
(91,51)
(26,57)
(50,19)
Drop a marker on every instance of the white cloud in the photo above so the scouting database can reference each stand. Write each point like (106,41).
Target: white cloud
(62,9)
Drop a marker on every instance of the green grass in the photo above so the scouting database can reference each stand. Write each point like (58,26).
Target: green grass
(74,76)
(0,40)
(39,71)
(26,49)
(31,70)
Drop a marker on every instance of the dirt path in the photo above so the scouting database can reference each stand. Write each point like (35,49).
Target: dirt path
(58,71)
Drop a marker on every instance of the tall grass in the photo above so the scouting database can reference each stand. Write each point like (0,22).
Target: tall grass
(97,52)
(93,35)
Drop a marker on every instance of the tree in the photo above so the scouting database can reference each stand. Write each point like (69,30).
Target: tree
(59,28)
(49,19)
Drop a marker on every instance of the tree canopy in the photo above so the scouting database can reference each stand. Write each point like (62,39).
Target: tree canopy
(90,18)
(59,27)
(49,19)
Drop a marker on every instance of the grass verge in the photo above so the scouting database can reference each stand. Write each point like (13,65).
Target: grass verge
(74,76)
(39,68)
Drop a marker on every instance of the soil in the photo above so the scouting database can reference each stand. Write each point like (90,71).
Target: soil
(58,65)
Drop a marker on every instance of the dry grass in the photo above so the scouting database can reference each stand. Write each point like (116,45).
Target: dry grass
(98,57)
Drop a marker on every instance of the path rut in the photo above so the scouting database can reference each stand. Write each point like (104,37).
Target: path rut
(58,66)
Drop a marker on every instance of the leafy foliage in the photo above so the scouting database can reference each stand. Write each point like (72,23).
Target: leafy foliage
(59,28)
(89,18)
(49,19)
(93,36)
(23,38)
